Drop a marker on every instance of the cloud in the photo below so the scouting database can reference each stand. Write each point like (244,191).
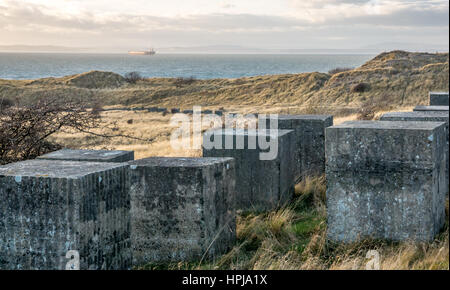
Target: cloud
(33,16)
(328,11)
(309,23)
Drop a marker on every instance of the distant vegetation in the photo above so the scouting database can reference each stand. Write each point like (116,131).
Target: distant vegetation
(133,77)
(182,81)
(339,70)
(361,88)
(5,103)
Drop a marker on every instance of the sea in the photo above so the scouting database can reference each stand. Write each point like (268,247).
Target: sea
(201,66)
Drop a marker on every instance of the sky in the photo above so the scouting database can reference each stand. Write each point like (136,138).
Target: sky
(274,24)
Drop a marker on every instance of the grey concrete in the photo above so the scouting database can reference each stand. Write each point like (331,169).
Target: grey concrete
(90,155)
(425,116)
(438,99)
(50,207)
(309,141)
(183,209)
(385,180)
(431,108)
(261,184)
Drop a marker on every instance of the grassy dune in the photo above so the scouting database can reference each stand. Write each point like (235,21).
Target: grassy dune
(392,79)
(292,237)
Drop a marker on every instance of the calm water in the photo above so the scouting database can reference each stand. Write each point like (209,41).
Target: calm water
(39,65)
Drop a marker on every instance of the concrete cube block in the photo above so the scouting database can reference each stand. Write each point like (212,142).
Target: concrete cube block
(50,207)
(182,209)
(425,116)
(90,155)
(385,180)
(309,141)
(438,99)
(431,108)
(260,184)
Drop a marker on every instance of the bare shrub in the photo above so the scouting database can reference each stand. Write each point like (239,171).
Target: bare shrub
(339,70)
(361,88)
(182,81)
(130,121)
(97,108)
(6,103)
(368,110)
(133,77)
(24,129)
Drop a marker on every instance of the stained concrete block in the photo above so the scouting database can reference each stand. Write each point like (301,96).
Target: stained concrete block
(385,180)
(182,209)
(261,184)
(431,108)
(439,99)
(309,141)
(426,116)
(50,207)
(90,155)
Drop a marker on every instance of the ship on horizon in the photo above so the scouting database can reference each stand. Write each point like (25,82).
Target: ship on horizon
(151,51)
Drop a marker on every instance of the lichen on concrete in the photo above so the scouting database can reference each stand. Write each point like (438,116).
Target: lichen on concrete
(438,99)
(90,155)
(309,141)
(51,207)
(385,180)
(182,209)
(426,116)
(260,184)
(431,108)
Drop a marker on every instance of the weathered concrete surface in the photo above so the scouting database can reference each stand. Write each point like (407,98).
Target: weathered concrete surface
(425,116)
(385,180)
(90,155)
(431,108)
(309,141)
(182,209)
(261,184)
(50,207)
(439,99)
